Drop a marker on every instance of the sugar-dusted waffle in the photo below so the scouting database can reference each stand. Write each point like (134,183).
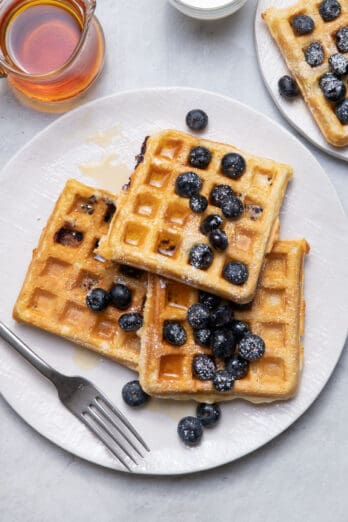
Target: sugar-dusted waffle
(276,315)
(324,34)
(154,227)
(64,269)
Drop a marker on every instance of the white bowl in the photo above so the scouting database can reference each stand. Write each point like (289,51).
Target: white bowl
(197,9)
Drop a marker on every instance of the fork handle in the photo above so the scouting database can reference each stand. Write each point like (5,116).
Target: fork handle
(28,354)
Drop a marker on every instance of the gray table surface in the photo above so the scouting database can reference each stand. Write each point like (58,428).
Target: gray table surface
(302,475)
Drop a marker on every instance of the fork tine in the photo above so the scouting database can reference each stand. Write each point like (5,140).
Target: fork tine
(109,418)
(125,421)
(102,424)
(101,436)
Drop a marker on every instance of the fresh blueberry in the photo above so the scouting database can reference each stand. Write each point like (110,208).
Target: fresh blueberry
(218,240)
(235,273)
(203,367)
(288,88)
(200,157)
(342,40)
(233,165)
(201,256)
(232,208)
(196,119)
(314,54)
(188,184)
(251,347)
(174,333)
(239,328)
(220,194)
(133,394)
(198,316)
(190,430)
(223,381)
(223,343)
(221,316)
(211,222)
(237,366)
(338,64)
(202,336)
(333,88)
(209,300)
(198,203)
(302,24)
(342,111)
(130,271)
(131,322)
(120,296)
(329,10)
(97,299)
(208,414)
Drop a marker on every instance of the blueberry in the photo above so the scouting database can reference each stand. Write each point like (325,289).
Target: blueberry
(239,328)
(131,322)
(329,10)
(232,208)
(198,315)
(314,54)
(251,347)
(235,273)
(302,24)
(223,343)
(198,203)
(342,40)
(200,157)
(209,300)
(220,194)
(333,88)
(218,240)
(68,237)
(174,333)
(221,316)
(196,119)
(120,296)
(288,88)
(211,222)
(133,394)
(202,336)
(190,430)
(338,64)
(233,165)
(208,414)
(97,299)
(342,111)
(130,271)
(237,366)
(203,367)
(223,381)
(188,184)
(201,256)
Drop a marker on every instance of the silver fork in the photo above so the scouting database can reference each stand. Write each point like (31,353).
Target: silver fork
(88,404)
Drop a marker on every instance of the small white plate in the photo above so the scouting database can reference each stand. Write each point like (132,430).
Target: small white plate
(273,67)
(30,184)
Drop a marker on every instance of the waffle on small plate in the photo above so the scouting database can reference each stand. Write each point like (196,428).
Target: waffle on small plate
(155,229)
(276,314)
(64,268)
(294,47)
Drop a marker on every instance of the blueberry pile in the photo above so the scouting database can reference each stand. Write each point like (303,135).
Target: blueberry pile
(190,429)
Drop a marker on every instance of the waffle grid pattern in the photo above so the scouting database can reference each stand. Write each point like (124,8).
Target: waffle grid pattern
(61,274)
(307,77)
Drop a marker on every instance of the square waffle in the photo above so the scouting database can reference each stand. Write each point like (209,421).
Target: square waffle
(307,77)
(155,229)
(276,314)
(64,268)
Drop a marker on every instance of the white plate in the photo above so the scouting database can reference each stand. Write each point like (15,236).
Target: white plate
(30,184)
(273,67)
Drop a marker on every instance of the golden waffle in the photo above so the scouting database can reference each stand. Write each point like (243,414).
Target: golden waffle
(307,77)
(276,314)
(155,229)
(63,269)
